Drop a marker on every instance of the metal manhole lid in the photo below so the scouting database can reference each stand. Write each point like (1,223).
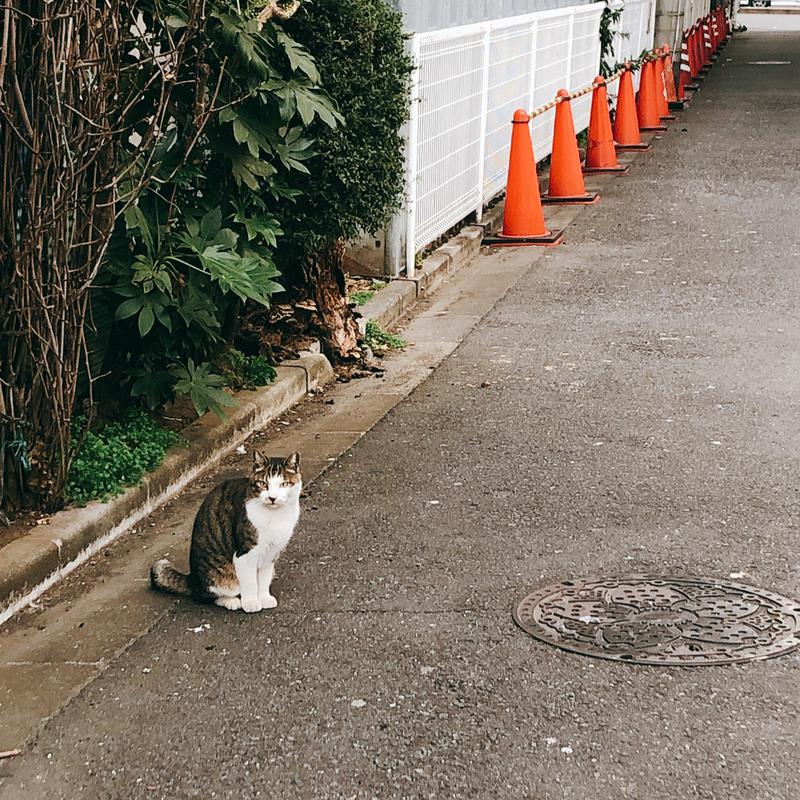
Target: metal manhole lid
(643,619)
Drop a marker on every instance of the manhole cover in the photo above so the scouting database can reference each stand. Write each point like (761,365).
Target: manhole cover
(690,622)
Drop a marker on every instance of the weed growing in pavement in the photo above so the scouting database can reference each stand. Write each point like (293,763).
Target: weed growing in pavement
(246,372)
(380,340)
(362,297)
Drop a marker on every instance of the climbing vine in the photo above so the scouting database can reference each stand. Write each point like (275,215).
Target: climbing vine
(609,20)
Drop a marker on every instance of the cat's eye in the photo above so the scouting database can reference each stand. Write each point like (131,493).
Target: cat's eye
(286,484)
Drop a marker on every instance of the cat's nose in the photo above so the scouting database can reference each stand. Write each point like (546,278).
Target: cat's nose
(272,500)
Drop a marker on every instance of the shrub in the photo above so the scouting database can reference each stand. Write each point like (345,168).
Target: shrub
(356,180)
(199,239)
(116,456)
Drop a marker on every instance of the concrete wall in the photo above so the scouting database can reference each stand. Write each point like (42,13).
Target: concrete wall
(674,16)
(429,15)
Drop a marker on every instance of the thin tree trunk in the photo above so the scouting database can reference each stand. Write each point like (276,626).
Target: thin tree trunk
(326,281)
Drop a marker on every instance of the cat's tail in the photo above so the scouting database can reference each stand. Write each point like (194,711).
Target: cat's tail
(165,578)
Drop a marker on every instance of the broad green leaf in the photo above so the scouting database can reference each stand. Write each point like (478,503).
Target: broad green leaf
(136,220)
(247,170)
(146,321)
(163,317)
(299,58)
(129,307)
(211,223)
(203,387)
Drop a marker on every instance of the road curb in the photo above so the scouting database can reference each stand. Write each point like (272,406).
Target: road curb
(33,563)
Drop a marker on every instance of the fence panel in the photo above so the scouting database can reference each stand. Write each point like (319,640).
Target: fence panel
(469,81)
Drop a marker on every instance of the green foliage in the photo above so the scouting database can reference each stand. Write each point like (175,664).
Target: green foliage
(199,235)
(246,372)
(361,298)
(380,340)
(357,179)
(608,30)
(204,387)
(115,456)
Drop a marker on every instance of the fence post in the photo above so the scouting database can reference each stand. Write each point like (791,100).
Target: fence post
(532,65)
(411,164)
(487,42)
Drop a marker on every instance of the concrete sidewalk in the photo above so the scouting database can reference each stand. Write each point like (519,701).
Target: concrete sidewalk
(631,406)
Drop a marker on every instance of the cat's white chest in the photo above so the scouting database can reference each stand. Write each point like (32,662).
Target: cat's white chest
(274,525)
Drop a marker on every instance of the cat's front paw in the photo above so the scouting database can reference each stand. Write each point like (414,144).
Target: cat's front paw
(268,601)
(251,605)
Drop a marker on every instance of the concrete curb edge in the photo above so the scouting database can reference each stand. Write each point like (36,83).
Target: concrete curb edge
(394,300)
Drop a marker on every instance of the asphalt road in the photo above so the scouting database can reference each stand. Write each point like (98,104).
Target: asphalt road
(632,405)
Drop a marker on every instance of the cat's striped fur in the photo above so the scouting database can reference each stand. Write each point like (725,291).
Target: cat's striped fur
(242,527)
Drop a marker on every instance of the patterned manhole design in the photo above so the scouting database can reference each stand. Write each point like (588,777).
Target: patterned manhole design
(688,622)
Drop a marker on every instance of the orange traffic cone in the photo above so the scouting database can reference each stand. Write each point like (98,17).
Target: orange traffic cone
(661,88)
(684,75)
(723,33)
(626,123)
(691,60)
(647,101)
(523,220)
(669,78)
(699,72)
(706,45)
(669,75)
(566,179)
(601,155)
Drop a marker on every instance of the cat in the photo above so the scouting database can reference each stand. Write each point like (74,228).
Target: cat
(241,528)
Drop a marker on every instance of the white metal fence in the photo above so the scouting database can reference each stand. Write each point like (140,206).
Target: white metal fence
(469,81)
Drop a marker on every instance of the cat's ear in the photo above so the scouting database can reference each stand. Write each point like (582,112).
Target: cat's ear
(292,463)
(260,461)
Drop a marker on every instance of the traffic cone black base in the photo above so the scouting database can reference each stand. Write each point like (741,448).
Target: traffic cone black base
(678,105)
(550,239)
(588,199)
(668,118)
(620,170)
(644,146)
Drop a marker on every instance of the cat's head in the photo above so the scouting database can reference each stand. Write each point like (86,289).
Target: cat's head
(277,481)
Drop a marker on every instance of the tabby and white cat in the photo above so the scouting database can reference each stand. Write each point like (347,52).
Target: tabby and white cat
(239,531)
